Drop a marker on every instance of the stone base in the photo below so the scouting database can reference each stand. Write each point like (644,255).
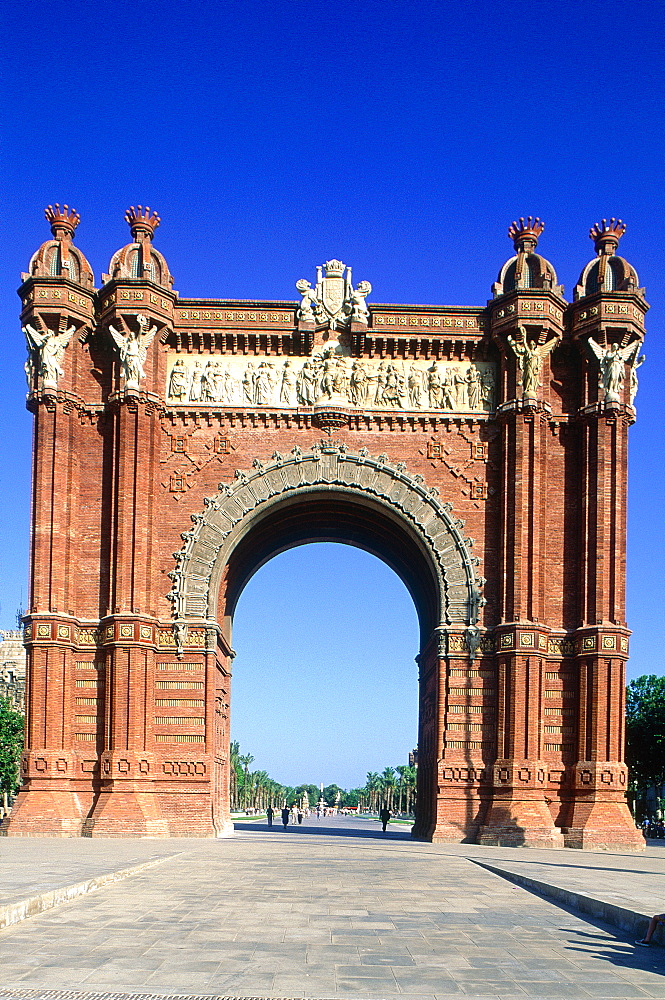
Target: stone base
(126,813)
(603,826)
(42,813)
(519,823)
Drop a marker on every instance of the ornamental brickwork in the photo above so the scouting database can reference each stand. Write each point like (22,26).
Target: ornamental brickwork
(481,452)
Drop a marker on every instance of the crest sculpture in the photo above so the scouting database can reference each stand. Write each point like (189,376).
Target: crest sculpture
(480,451)
(333,300)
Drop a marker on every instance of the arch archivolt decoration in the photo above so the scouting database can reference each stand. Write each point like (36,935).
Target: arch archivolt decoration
(326,466)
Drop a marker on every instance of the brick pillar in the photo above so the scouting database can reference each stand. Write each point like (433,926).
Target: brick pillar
(466,720)
(56,792)
(600,815)
(519,813)
(430,665)
(156,776)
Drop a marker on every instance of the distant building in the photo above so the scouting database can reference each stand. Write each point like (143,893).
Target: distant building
(12,668)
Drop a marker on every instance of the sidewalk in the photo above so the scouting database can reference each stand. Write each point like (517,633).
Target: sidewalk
(333,910)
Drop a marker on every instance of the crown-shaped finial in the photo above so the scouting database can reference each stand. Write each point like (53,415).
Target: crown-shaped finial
(606,235)
(141,223)
(63,220)
(334,268)
(525,233)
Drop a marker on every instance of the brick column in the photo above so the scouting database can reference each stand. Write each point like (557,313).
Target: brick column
(56,793)
(466,721)
(519,813)
(600,815)
(430,664)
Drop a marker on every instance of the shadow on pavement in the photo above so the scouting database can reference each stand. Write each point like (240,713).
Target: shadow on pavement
(326,831)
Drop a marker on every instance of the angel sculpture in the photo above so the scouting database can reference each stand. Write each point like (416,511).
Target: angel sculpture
(51,347)
(133,350)
(612,367)
(530,359)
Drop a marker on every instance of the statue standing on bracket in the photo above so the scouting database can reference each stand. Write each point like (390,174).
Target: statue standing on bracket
(51,347)
(133,349)
(612,361)
(530,359)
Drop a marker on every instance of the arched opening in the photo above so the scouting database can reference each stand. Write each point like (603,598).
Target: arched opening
(328,494)
(325,687)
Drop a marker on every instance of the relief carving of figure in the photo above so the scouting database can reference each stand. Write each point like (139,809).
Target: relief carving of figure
(208,384)
(393,388)
(381,375)
(448,389)
(179,381)
(415,386)
(51,348)
(487,390)
(461,397)
(288,384)
(307,384)
(264,383)
(530,359)
(196,386)
(612,367)
(248,384)
(133,350)
(474,382)
(359,384)
(434,387)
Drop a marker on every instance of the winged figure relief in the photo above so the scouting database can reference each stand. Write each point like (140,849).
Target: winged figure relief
(612,361)
(530,359)
(50,346)
(133,349)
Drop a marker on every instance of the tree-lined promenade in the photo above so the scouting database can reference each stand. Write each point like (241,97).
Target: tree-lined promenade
(254,791)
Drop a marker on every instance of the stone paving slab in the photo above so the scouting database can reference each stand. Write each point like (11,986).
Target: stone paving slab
(337,912)
(30,866)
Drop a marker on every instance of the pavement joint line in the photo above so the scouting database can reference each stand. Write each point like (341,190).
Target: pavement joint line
(10,993)
(14,913)
(619,916)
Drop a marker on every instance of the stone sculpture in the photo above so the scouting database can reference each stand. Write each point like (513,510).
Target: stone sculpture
(530,357)
(612,367)
(133,349)
(50,347)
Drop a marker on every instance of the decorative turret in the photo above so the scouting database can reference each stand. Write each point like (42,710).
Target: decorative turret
(142,225)
(63,221)
(139,260)
(525,233)
(607,272)
(57,258)
(527,269)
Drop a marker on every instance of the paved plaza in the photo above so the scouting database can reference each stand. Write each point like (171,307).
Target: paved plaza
(334,909)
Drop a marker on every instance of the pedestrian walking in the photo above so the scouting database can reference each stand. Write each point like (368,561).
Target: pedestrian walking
(285,817)
(300,817)
(384,816)
(270,814)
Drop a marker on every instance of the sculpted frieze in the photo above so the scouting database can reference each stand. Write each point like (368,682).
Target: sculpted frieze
(366,384)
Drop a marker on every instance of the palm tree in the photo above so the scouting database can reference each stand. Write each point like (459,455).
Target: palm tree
(373,785)
(388,781)
(245,760)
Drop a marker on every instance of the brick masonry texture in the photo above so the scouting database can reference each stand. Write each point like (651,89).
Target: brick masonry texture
(516,562)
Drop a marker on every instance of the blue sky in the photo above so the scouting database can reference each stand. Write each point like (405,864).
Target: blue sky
(401,137)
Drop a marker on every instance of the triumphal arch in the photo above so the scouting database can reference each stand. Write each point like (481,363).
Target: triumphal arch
(180,443)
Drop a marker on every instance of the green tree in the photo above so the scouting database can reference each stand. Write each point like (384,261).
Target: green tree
(645,731)
(11,744)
